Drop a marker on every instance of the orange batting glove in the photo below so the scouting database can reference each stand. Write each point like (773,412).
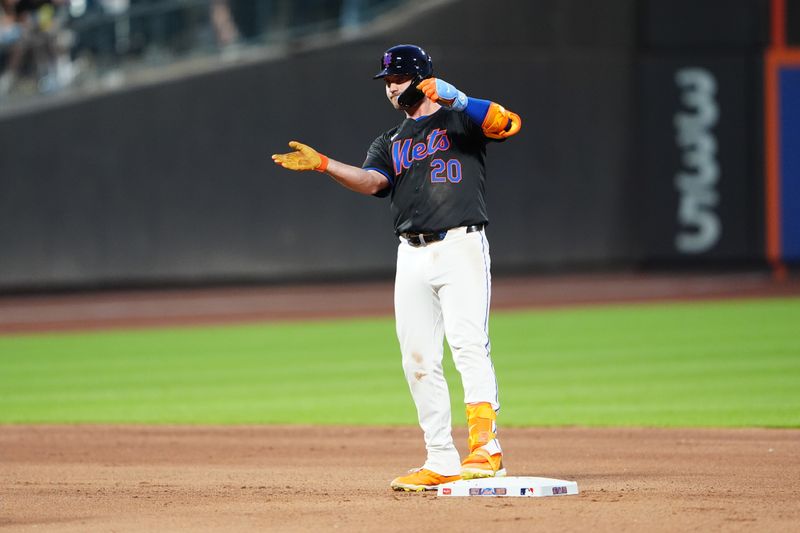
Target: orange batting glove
(444,94)
(303,158)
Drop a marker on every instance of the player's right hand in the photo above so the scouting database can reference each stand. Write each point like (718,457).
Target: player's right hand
(303,158)
(443,93)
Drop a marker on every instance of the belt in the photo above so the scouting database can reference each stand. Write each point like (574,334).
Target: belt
(422,239)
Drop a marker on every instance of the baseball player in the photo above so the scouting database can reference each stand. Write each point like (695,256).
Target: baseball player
(432,167)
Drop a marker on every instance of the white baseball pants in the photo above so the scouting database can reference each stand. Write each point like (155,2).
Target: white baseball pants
(442,290)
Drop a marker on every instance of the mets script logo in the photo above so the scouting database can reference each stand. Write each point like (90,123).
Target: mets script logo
(403,154)
(488,491)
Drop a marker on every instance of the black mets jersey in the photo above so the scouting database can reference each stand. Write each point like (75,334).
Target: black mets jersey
(436,169)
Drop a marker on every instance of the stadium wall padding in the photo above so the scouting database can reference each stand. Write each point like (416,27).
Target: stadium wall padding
(173,183)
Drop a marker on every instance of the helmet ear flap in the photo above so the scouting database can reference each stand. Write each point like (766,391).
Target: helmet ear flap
(411,96)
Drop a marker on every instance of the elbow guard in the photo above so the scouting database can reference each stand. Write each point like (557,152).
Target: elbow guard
(500,123)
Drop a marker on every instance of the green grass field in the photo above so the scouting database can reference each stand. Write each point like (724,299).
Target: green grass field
(734,363)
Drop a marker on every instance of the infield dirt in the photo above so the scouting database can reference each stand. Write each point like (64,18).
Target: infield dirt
(127,478)
(164,478)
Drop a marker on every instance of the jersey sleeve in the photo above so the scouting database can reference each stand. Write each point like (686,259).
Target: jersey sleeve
(378,159)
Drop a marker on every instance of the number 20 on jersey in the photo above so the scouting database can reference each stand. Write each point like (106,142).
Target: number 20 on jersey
(444,171)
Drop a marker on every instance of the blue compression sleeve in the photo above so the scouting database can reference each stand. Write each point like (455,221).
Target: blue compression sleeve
(476,109)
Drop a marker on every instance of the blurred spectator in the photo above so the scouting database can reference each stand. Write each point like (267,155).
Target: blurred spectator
(117,10)
(103,32)
(10,33)
(9,29)
(225,29)
(46,45)
(40,44)
(351,14)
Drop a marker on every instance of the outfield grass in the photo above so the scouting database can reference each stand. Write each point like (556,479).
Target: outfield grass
(734,363)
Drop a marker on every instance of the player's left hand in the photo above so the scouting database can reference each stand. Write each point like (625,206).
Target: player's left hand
(444,94)
(303,158)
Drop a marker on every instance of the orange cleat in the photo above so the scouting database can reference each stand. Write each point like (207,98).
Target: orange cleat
(480,464)
(421,479)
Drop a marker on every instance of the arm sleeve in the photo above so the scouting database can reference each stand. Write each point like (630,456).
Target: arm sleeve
(477,109)
(378,160)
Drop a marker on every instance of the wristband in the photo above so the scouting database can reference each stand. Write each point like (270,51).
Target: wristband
(323,164)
